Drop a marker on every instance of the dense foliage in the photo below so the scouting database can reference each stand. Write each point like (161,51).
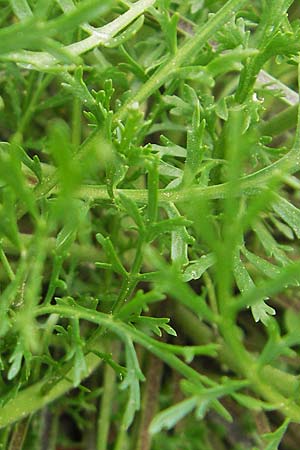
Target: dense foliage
(149,224)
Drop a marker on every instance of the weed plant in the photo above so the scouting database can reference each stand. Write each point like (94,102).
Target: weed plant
(149,224)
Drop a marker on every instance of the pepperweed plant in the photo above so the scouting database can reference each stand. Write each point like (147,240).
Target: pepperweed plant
(149,224)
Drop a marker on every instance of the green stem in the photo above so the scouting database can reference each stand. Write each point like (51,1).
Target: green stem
(99,36)
(76,123)
(121,438)
(83,253)
(123,330)
(131,281)
(4,435)
(200,334)
(248,369)
(187,52)
(6,264)
(283,121)
(243,359)
(31,399)
(249,185)
(150,402)
(31,108)
(106,406)
(50,181)
(102,35)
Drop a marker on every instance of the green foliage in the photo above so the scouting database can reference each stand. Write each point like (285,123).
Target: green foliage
(149,224)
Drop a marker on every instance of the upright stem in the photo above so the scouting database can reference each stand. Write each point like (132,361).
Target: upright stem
(76,123)
(6,264)
(19,435)
(106,403)
(184,54)
(150,402)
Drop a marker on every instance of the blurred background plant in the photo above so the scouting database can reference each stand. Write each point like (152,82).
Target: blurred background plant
(149,224)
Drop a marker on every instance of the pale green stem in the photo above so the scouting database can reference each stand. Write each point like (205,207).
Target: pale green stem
(31,399)
(76,123)
(249,185)
(121,438)
(188,50)
(109,386)
(229,331)
(99,36)
(6,265)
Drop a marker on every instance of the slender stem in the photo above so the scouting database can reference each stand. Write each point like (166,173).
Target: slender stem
(121,438)
(19,434)
(131,281)
(200,334)
(76,123)
(283,121)
(82,253)
(31,399)
(21,406)
(4,436)
(49,429)
(249,185)
(289,96)
(191,47)
(106,404)
(248,368)
(28,114)
(150,402)
(211,292)
(6,264)
(99,36)
(229,331)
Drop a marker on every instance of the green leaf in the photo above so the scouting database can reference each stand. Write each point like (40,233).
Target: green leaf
(195,149)
(178,106)
(8,219)
(80,367)
(11,175)
(260,310)
(54,280)
(129,33)
(153,186)
(283,228)
(195,270)
(180,239)
(154,324)
(269,243)
(195,73)
(21,9)
(253,403)
(228,61)
(111,253)
(167,226)
(85,10)
(131,381)
(169,170)
(261,264)
(16,360)
(168,418)
(77,87)
(288,213)
(138,303)
(132,210)
(275,438)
